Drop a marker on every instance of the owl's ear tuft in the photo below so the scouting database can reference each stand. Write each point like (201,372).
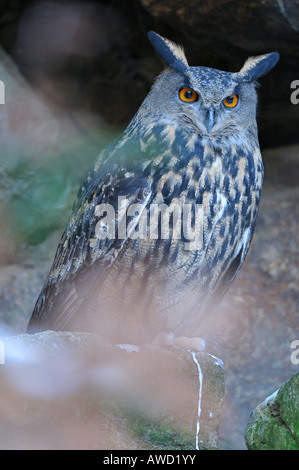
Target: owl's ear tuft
(256,67)
(172,54)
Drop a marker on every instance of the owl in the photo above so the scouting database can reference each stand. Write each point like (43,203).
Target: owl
(163,220)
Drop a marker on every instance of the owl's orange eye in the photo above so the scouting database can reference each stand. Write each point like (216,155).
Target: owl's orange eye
(188,95)
(231,101)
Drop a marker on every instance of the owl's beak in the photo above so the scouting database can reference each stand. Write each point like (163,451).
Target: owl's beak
(210,119)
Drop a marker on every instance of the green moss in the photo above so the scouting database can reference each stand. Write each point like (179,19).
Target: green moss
(159,435)
(275,425)
(37,194)
(288,399)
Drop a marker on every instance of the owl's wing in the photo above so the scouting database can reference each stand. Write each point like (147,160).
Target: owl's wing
(239,248)
(113,183)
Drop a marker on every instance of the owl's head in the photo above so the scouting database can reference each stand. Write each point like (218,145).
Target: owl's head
(211,101)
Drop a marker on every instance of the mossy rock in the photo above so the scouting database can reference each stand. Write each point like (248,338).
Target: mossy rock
(274,423)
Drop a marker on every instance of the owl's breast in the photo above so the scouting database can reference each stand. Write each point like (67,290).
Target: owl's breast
(208,196)
(200,172)
(196,224)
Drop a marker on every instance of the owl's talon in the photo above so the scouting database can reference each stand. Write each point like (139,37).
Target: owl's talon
(193,344)
(164,339)
(185,342)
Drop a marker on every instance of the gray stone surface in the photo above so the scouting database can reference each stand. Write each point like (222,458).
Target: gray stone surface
(64,390)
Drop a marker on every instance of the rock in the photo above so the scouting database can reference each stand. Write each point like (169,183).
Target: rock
(76,391)
(282,165)
(274,424)
(19,288)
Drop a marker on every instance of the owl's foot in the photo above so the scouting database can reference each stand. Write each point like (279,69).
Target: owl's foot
(185,342)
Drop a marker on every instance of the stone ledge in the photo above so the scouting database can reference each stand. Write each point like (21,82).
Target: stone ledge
(74,390)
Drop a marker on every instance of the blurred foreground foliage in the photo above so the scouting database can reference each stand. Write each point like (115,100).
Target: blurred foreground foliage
(36,195)
(45,152)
